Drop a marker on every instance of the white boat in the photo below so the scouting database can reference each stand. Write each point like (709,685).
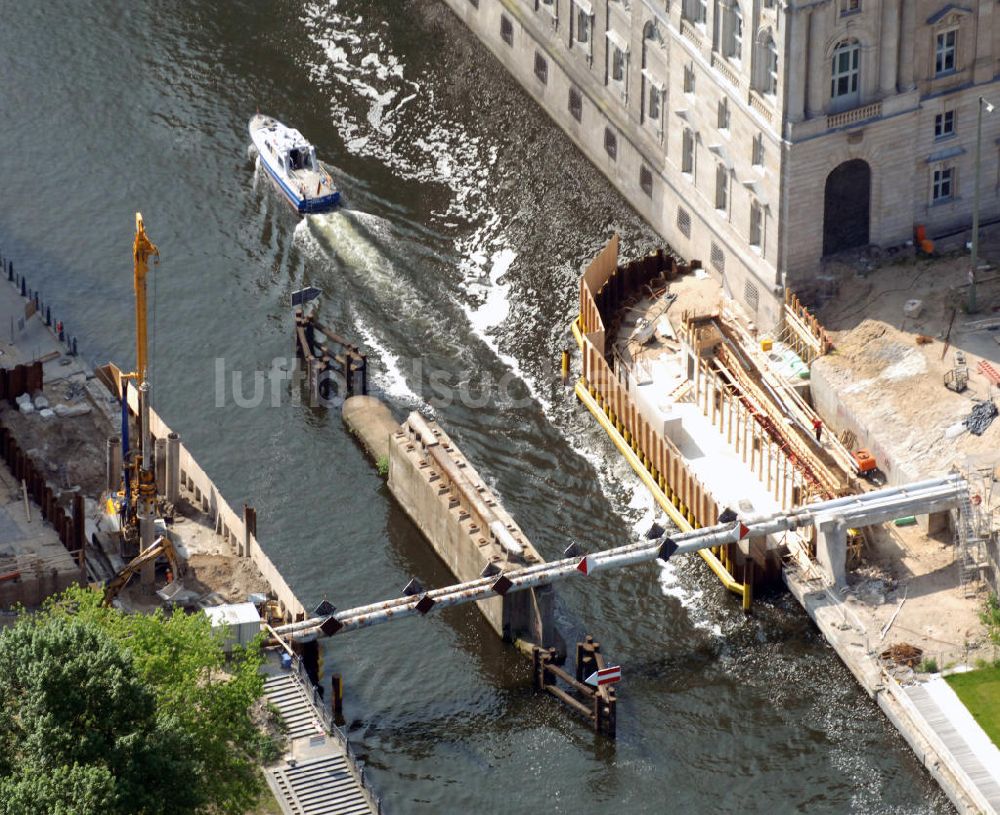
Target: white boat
(290,161)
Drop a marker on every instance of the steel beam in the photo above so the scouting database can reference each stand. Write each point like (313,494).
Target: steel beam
(935,495)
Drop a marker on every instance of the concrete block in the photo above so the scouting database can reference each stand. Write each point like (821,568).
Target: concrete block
(934,523)
(831,549)
(913,308)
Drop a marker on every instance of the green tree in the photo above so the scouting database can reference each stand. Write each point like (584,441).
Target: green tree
(990,617)
(125,713)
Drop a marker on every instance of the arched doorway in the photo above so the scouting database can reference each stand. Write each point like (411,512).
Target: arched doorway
(847,206)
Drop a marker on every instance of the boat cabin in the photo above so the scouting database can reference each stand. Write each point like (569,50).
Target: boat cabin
(301,158)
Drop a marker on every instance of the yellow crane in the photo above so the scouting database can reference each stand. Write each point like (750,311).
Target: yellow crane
(139,481)
(142,250)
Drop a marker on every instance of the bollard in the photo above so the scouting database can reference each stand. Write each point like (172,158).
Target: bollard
(10,271)
(24,288)
(48,315)
(59,330)
(337,686)
(173,490)
(35,298)
(73,352)
(113,463)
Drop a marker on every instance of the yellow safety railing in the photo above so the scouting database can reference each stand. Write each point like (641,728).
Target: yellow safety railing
(583,393)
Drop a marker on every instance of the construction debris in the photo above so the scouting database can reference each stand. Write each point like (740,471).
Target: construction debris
(903,654)
(981,417)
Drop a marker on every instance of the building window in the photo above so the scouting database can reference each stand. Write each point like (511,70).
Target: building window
(541,68)
(506,29)
(550,6)
(687,152)
(756,224)
(757,157)
(575,104)
(721,186)
(752,296)
(617,64)
(718,258)
(771,78)
(655,110)
(846,71)
(943,188)
(733,33)
(646,180)
(850,6)
(689,78)
(684,222)
(610,143)
(944,124)
(944,52)
(722,114)
(695,11)
(580,25)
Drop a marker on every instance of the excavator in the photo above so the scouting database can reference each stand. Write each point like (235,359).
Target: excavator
(162,546)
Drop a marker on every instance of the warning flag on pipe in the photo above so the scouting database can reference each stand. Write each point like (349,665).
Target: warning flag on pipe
(303,296)
(585,564)
(667,548)
(605,676)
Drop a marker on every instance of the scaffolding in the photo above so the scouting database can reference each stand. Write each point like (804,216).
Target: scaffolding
(976,526)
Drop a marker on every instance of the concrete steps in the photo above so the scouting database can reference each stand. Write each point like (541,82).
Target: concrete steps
(292,700)
(323,780)
(321,786)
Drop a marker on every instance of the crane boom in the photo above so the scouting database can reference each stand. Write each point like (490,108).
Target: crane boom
(142,249)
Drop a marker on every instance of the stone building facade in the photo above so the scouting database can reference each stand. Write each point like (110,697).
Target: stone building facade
(761,135)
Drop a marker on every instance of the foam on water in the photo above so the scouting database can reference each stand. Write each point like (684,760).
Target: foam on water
(437,149)
(390,378)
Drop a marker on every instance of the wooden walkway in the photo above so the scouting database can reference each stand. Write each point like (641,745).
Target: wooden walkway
(963,738)
(319,775)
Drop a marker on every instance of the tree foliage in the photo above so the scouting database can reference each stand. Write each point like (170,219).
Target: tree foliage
(990,617)
(106,712)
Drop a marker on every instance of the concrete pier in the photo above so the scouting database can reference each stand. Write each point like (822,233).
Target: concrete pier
(460,517)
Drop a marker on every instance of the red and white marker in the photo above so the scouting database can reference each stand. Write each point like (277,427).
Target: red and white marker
(585,564)
(605,676)
(744,530)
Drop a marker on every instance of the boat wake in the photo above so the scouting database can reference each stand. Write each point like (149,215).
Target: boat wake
(369,89)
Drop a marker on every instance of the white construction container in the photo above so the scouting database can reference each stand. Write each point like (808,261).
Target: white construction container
(243,621)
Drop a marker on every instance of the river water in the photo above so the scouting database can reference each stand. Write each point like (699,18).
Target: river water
(454,264)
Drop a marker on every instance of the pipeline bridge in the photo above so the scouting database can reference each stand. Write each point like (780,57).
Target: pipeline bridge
(923,497)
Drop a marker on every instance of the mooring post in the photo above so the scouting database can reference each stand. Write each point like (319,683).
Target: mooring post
(348,378)
(310,660)
(337,702)
(611,715)
(312,365)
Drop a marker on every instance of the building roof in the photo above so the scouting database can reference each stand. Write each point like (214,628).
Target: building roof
(233,614)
